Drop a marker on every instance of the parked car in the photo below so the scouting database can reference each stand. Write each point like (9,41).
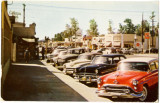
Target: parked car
(54,54)
(99,50)
(134,78)
(134,50)
(109,50)
(60,55)
(82,60)
(71,55)
(125,51)
(99,66)
(152,50)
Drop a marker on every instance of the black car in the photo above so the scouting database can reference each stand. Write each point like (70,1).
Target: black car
(99,66)
(71,55)
(152,50)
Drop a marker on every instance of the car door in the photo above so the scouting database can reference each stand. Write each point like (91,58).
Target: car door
(152,78)
(110,65)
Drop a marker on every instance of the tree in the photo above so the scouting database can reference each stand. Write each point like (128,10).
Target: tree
(74,26)
(157,29)
(129,27)
(59,37)
(121,28)
(138,28)
(93,31)
(110,29)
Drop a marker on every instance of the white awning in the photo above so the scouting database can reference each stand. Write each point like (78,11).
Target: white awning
(116,43)
(108,43)
(28,40)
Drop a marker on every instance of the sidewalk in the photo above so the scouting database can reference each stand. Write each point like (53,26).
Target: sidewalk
(33,82)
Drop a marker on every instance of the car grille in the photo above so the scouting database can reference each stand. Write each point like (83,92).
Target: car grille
(117,89)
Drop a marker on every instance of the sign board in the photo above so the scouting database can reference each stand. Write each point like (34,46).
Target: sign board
(146,35)
(137,44)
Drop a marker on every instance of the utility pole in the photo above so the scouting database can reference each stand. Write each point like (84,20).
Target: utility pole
(142,33)
(24,14)
(153,32)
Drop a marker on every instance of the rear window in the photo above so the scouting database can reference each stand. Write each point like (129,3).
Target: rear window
(135,66)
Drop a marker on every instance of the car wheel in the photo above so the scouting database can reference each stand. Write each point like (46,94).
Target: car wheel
(144,94)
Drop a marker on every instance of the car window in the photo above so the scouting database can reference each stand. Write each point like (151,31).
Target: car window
(156,65)
(135,66)
(116,60)
(121,58)
(153,66)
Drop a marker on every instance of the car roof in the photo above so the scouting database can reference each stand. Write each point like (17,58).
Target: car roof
(112,55)
(139,59)
(89,53)
(75,48)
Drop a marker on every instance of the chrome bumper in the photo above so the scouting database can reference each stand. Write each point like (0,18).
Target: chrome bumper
(87,78)
(104,92)
(69,70)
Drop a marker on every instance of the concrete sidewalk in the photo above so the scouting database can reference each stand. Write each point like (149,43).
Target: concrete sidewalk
(33,82)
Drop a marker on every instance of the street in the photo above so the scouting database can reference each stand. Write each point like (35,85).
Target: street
(40,81)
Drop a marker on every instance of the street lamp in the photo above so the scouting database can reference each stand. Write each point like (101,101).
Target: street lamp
(135,38)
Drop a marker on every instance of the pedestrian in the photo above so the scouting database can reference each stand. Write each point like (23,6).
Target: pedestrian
(43,51)
(26,55)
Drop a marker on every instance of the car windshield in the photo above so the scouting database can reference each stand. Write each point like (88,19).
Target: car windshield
(81,57)
(62,53)
(57,51)
(102,60)
(135,66)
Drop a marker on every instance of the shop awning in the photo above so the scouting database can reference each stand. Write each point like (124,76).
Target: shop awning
(28,40)
(108,44)
(117,44)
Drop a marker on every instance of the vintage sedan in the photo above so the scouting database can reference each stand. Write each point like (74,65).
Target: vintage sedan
(134,78)
(99,66)
(71,55)
(60,55)
(54,54)
(82,60)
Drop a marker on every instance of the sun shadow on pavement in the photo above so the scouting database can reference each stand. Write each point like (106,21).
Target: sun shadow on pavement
(36,83)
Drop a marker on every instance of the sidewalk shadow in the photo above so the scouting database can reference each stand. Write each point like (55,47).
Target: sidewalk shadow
(36,83)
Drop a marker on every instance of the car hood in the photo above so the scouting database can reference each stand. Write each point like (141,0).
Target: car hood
(90,68)
(70,55)
(123,77)
(76,62)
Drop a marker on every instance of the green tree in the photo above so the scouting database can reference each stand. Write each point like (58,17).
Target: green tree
(129,27)
(121,28)
(93,31)
(157,29)
(74,26)
(110,29)
(138,28)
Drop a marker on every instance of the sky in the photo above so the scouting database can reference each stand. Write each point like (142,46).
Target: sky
(51,17)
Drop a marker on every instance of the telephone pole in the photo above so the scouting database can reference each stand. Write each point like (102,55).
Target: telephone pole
(153,32)
(142,33)
(24,14)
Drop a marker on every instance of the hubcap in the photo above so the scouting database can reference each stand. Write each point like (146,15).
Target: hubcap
(144,94)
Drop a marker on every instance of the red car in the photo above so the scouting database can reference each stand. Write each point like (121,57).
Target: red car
(134,78)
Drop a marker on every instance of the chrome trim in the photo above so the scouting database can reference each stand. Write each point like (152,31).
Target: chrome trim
(113,94)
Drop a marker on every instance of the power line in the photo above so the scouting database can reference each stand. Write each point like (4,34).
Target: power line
(86,9)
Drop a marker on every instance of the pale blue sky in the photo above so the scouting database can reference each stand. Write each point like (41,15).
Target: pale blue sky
(51,17)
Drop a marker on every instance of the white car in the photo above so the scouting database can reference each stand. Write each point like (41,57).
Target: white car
(83,59)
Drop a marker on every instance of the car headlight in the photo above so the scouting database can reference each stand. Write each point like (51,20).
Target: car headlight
(96,71)
(135,82)
(99,81)
(75,70)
